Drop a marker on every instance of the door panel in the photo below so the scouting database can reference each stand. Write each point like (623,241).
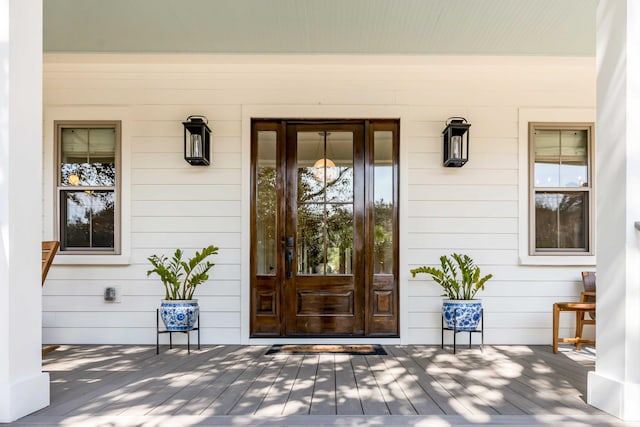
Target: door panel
(325,293)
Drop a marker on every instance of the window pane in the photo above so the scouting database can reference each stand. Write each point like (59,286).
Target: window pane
(325,166)
(88,157)
(311,174)
(266,204)
(573,157)
(311,236)
(547,158)
(383,203)
(561,220)
(561,158)
(88,219)
(339,152)
(339,239)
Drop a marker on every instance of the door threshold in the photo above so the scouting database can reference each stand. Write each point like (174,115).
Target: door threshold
(323,340)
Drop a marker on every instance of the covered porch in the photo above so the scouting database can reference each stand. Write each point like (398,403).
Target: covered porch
(242,385)
(112,386)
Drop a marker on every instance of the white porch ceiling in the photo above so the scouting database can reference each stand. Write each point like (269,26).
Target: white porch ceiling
(420,27)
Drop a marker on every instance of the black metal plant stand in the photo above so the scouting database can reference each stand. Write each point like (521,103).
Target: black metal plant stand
(456,331)
(158,331)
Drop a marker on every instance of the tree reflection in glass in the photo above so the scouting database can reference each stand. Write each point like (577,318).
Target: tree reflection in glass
(325,202)
(266,191)
(561,220)
(383,203)
(88,157)
(339,239)
(89,219)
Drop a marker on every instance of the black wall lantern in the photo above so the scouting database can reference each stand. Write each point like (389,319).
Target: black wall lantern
(197,141)
(456,142)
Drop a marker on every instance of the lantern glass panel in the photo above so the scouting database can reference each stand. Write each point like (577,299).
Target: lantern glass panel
(194,148)
(455,147)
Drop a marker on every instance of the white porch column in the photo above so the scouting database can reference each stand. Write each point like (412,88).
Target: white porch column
(24,388)
(615,384)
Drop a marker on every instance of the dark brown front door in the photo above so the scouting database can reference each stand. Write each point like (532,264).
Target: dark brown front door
(324,290)
(324,250)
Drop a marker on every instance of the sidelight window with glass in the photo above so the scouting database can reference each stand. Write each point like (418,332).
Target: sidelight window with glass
(561,189)
(383,203)
(87,186)
(266,189)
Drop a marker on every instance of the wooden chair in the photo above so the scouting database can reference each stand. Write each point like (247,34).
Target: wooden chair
(586,306)
(49,250)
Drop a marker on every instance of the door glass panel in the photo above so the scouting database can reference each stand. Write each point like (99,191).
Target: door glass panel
(311,167)
(561,220)
(325,202)
(339,238)
(339,170)
(311,236)
(325,165)
(266,204)
(383,202)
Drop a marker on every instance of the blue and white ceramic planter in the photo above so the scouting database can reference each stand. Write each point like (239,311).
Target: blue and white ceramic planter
(462,315)
(179,315)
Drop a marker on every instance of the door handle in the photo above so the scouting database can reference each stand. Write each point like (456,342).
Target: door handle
(288,255)
(289,259)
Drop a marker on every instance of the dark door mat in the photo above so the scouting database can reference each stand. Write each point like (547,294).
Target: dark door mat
(353,349)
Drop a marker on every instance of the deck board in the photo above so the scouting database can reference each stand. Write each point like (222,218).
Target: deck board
(239,387)
(231,384)
(220,372)
(445,402)
(225,373)
(259,389)
(323,401)
(370,395)
(392,393)
(412,386)
(347,398)
(204,375)
(275,400)
(299,402)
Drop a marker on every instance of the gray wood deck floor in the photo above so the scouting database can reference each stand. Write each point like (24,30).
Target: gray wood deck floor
(240,385)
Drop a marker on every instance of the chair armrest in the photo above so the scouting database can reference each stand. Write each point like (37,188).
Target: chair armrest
(586,295)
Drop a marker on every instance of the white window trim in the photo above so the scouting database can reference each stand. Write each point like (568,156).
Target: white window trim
(87,113)
(547,115)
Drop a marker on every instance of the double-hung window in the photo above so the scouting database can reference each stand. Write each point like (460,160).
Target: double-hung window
(87,190)
(561,189)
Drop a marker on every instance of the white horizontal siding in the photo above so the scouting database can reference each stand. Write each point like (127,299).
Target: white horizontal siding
(474,209)
(161,192)
(162,239)
(134,302)
(130,287)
